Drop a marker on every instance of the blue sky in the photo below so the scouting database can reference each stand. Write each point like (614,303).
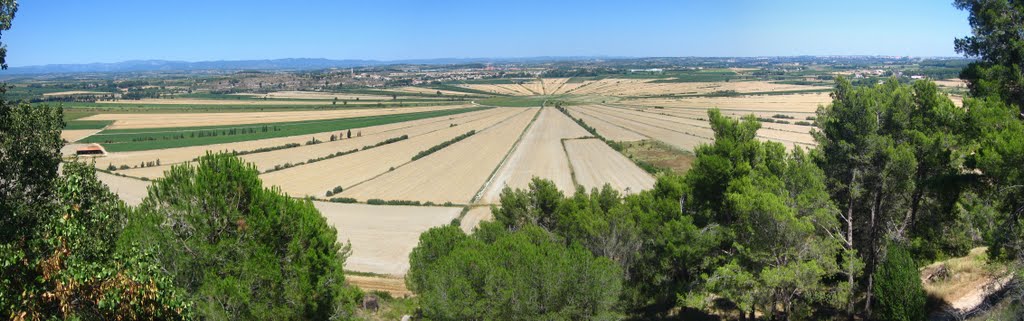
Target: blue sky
(71,31)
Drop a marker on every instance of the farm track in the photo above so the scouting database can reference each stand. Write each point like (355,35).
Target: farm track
(392,285)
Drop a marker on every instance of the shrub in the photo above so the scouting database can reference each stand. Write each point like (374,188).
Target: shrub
(898,288)
(442,145)
(343,200)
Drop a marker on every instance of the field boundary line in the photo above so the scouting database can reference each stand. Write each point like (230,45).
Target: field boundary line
(572,170)
(490,178)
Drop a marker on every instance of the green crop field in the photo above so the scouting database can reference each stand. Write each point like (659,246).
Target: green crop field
(87,124)
(121,140)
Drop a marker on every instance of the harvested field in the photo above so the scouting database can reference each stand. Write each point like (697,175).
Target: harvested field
(668,134)
(474,217)
(661,123)
(433,178)
(72,135)
(595,164)
(316,178)
(369,136)
(412,129)
(174,120)
(800,103)
(608,130)
(538,154)
(382,236)
(130,190)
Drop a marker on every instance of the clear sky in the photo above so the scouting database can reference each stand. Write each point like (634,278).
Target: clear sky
(72,31)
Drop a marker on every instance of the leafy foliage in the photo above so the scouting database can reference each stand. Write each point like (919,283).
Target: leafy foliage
(999,44)
(58,234)
(497,274)
(893,158)
(240,250)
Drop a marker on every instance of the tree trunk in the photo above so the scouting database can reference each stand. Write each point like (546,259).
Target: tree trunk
(849,244)
(873,249)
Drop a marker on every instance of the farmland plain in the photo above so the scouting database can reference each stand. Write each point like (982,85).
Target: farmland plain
(499,137)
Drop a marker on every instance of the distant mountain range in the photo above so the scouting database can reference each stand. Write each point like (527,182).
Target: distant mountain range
(266,64)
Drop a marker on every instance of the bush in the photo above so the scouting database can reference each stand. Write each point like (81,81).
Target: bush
(377,201)
(442,145)
(898,288)
(343,200)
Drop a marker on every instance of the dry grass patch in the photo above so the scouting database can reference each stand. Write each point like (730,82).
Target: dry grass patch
(660,155)
(963,283)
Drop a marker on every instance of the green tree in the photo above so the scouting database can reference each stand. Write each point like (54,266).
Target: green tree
(527,274)
(898,287)
(893,163)
(58,234)
(778,252)
(241,250)
(998,44)
(1000,157)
